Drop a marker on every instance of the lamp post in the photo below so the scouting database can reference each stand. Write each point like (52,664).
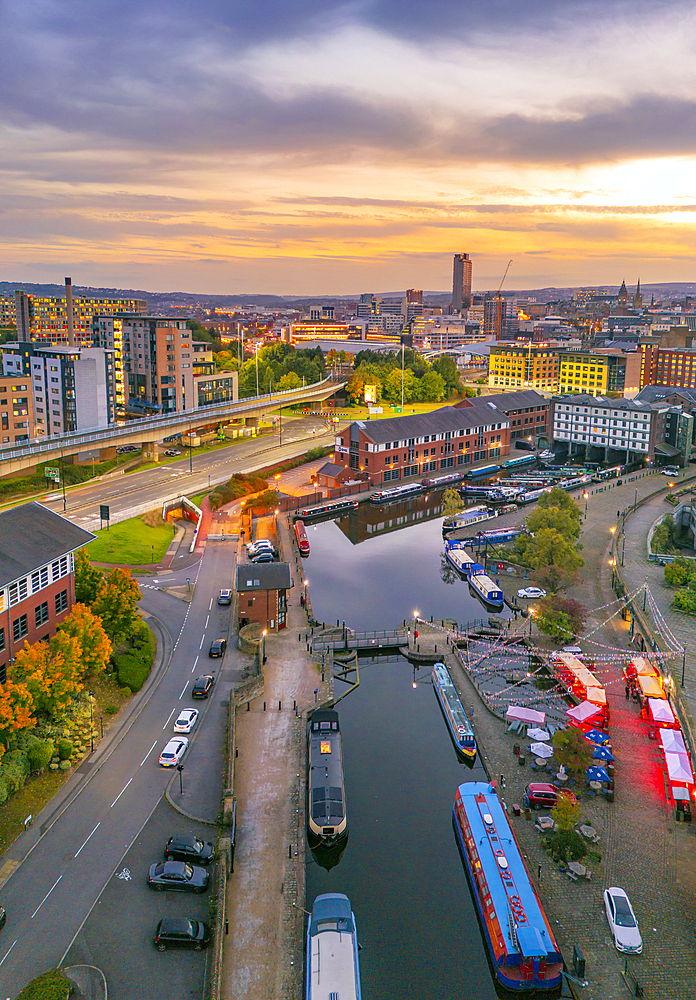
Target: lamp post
(585,496)
(180,768)
(531,621)
(683,664)
(263,647)
(257,369)
(190,449)
(91,717)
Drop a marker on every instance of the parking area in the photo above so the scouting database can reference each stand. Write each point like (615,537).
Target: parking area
(118,934)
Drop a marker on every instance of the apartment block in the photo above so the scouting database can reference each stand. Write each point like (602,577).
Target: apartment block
(607,429)
(16,410)
(71,388)
(8,310)
(45,318)
(423,444)
(667,366)
(519,366)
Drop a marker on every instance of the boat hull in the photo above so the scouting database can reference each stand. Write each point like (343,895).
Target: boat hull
(493,598)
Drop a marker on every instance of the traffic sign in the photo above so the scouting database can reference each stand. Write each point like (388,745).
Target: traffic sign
(103,512)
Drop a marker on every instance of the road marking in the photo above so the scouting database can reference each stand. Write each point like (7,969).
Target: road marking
(120,793)
(167,722)
(45,898)
(146,755)
(8,951)
(183,691)
(207,620)
(125,874)
(210,606)
(202,641)
(91,834)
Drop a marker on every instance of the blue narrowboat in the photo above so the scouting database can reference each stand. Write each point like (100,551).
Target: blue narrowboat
(457,720)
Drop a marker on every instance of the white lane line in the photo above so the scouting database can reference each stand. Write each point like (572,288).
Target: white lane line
(91,835)
(8,951)
(120,793)
(194,666)
(45,898)
(148,753)
(202,641)
(167,722)
(210,606)
(207,620)
(183,691)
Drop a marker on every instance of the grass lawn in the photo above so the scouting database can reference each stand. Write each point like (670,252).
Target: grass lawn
(131,543)
(28,801)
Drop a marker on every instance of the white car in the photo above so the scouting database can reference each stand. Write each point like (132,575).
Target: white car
(531,592)
(174,751)
(262,545)
(670,470)
(186,721)
(622,921)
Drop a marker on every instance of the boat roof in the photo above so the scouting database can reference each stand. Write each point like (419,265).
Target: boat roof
(333,970)
(505,872)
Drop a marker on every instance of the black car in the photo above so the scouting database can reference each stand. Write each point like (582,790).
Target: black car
(202,686)
(177,876)
(179,932)
(171,452)
(217,647)
(191,849)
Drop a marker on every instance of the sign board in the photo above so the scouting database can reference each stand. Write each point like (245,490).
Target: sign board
(370,393)
(103,512)
(50,472)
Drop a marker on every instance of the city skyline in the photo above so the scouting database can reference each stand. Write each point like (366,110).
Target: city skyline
(328,148)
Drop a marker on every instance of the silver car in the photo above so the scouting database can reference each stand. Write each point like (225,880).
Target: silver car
(622,921)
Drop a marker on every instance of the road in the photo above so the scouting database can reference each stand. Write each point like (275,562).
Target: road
(129,495)
(81,854)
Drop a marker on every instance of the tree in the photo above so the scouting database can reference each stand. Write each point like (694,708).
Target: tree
(16,709)
(291,380)
(446,367)
(432,387)
(95,646)
(116,605)
(88,579)
(560,617)
(548,547)
(566,812)
(680,572)
(52,672)
(452,502)
(571,749)
(395,386)
(554,517)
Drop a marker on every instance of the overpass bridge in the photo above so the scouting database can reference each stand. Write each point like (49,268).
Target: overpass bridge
(147,431)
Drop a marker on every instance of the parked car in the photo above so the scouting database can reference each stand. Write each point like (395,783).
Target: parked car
(177,876)
(264,556)
(217,647)
(174,751)
(531,592)
(202,686)
(225,597)
(184,848)
(540,795)
(262,545)
(180,932)
(171,452)
(186,720)
(670,470)
(127,449)
(622,921)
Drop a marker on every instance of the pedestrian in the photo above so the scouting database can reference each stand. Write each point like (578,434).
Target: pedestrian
(415,634)
(627,692)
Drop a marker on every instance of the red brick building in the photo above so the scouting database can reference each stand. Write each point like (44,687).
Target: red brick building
(262,590)
(423,443)
(672,366)
(528,412)
(37,576)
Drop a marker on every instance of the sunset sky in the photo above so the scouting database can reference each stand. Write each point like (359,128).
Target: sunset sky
(309,146)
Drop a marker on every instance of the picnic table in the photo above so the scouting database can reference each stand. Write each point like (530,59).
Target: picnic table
(544,822)
(576,871)
(589,832)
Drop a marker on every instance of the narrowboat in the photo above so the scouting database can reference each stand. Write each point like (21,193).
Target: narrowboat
(301,536)
(333,970)
(458,557)
(517,933)
(497,535)
(396,493)
(484,470)
(487,589)
(453,711)
(514,463)
(327,822)
(532,495)
(467,517)
(327,509)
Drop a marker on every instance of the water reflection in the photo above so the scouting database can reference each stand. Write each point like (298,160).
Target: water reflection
(329,857)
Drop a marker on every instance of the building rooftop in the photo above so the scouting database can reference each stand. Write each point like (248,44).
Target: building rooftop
(507,401)
(31,536)
(263,576)
(660,393)
(448,418)
(584,399)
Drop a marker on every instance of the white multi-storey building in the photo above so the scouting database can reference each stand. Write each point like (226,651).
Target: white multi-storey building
(593,423)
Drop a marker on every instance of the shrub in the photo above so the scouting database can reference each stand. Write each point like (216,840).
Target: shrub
(14,770)
(48,986)
(685,600)
(40,754)
(111,710)
(65,749)
(680,572)
(64,765)
(315,453)
(567,845)
(134,665)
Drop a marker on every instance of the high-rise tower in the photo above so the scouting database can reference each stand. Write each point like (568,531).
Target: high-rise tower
(461,282)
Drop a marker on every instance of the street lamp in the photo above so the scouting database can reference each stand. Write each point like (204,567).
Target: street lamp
(683,664)
(531,620)
(263,647)
(305,589)
(91,717)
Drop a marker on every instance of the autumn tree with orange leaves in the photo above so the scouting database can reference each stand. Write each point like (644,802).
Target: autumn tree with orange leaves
(52,672)
(16,708)
(95,646)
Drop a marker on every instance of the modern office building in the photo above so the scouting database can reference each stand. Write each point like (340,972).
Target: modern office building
(523,366)
(461,282)
(37,576)
(8,310)
(72,388)
(612,430)
(423,444)
(445,333)
(47,318)
(16,409)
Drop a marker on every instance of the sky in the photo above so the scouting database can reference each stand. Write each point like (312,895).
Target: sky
(318,147)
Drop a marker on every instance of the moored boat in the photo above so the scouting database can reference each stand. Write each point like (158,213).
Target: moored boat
(487,589)
(457,720)
(465,518)
(333,969)
(458,557)
(523,950)
(484,470)
(302,540)
(394,493)
(327,509)
(497,535)
(327,821)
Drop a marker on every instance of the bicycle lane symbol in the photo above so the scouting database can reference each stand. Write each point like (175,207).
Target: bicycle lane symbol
(125,874)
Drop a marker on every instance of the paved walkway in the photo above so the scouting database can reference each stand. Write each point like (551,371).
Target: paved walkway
(263,951)
(642,848)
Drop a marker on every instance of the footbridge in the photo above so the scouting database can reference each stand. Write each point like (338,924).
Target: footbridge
(146,431)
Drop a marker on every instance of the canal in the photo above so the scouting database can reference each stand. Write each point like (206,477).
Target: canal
(401,867)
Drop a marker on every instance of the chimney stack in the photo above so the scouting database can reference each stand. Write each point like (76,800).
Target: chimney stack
(69,310)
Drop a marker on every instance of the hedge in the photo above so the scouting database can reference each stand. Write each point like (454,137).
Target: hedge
(133,666)
(48,986)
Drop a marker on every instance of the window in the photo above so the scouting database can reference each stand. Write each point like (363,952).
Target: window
(41,614)
(20,628)
(2,639)
(61,602)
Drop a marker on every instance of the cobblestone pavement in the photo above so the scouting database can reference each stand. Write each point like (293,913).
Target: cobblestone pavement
(641,847)
(265,897)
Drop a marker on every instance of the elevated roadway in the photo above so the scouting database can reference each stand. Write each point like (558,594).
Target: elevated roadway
(152,429)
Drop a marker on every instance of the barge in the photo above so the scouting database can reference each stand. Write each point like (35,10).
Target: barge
(333,969)
(484,470)
(489,591)
(301,536)
(458,557)
(327,822)
(327,509)
(517,932)
(457,720)
(395,493)
(467,517)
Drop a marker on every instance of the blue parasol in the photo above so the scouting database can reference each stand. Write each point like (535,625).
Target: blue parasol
(595,736)
(602,753)
(598,774)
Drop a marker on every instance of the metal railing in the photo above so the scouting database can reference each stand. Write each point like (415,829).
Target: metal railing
(362,640)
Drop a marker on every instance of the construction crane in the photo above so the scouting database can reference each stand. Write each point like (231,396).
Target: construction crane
(499,322)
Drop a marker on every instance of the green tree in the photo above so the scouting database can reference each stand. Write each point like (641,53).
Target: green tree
(291,380)
(95,646)
(548,547)
(88,579)
(560,520)
(395,387)
(452,502)
(566,812)
(560,617)
(432,387)
(117,604)
(680,572)
(446,367)
(571,749)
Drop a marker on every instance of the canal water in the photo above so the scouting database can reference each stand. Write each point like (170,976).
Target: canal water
(401,867)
